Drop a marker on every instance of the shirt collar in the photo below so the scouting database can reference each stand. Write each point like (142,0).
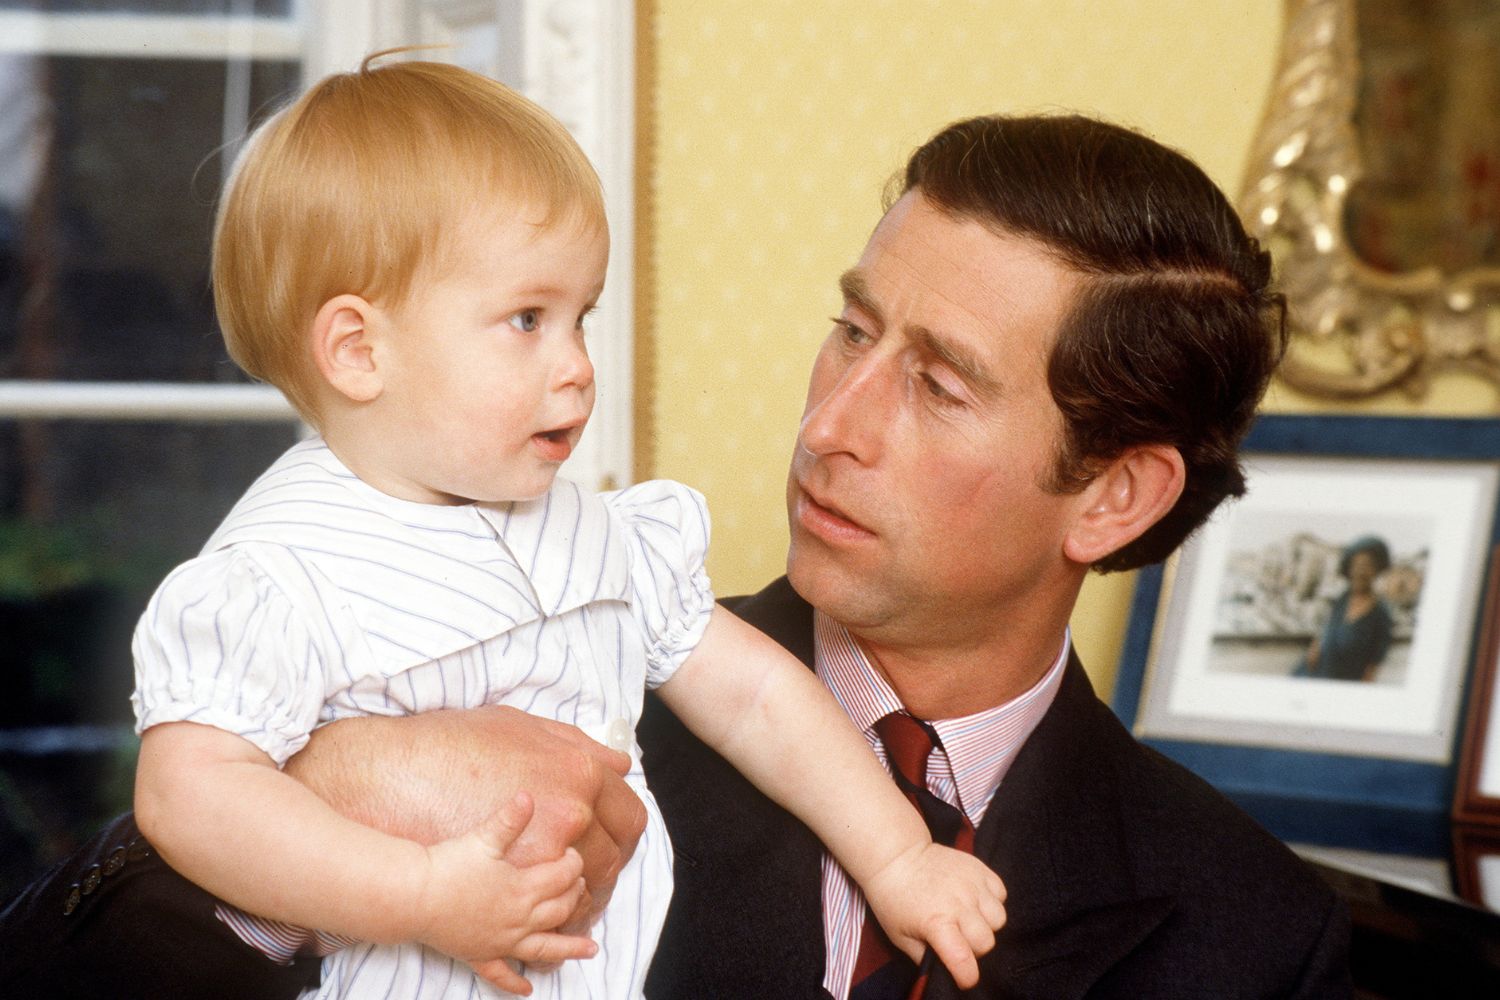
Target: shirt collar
(979,748)
(468,572)
(543,537)
(551,537)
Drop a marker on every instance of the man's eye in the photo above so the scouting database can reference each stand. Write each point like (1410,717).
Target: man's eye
(937,390)
(527,320)
(850,332)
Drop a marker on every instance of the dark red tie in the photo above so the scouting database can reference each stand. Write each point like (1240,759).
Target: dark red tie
(883,972)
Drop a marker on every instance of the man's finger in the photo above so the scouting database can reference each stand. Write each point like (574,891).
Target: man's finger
(602,856)
(620,812)
(616,760)
(613,759)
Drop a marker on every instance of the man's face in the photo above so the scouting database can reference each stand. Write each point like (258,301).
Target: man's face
(915,497)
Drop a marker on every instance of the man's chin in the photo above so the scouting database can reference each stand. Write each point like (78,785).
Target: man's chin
(827,583)
(805,573)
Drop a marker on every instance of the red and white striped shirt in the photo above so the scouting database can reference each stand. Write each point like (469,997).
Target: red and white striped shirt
(976,752)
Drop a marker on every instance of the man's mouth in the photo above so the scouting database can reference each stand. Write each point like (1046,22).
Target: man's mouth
(825,519)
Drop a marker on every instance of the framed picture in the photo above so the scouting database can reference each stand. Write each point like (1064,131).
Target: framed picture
(1306,650)
(1478,796)
(1476,864)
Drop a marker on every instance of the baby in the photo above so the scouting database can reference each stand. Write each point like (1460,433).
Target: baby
(409,252)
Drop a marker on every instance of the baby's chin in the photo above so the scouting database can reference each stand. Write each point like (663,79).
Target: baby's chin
(534,489)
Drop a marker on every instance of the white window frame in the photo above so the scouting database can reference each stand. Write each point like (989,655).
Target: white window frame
(576,58)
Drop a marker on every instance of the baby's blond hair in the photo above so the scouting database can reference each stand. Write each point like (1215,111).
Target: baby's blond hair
(359,184)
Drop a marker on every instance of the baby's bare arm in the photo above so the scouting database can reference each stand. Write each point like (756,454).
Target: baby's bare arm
(209,800)
(772,719)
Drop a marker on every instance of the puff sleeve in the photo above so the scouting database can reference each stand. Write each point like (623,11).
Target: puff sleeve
(667,528)
(220,644)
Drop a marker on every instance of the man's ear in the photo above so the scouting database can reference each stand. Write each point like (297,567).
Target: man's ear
(1135,491)
(344,347)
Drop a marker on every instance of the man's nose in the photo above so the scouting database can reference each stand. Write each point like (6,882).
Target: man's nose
(849,415)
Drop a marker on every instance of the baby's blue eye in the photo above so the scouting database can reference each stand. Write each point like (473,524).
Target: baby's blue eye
(527,320)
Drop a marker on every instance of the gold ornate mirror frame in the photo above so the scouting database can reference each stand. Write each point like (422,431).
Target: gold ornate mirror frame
(1358,329)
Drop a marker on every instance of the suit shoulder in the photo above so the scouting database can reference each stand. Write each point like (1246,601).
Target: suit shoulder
(1238,889)
(1214,835)
(1239,892)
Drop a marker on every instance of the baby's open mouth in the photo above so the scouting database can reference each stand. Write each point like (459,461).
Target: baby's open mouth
(555,445)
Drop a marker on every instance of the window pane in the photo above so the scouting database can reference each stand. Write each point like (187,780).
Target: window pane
(260,8)
(92,517)
(108,178)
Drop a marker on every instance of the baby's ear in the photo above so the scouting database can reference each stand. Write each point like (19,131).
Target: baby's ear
(343,343)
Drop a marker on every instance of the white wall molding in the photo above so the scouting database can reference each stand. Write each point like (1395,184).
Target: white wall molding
(574,57)
(143,401)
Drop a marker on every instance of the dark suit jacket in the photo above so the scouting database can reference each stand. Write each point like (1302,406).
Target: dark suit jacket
(113,922)
(1128,877)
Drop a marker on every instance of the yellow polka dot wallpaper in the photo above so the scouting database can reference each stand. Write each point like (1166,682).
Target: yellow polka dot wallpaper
(773,126)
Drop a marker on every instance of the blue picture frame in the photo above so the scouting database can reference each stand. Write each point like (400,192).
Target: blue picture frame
(1322,798)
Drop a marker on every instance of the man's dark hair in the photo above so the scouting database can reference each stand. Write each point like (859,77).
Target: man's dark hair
(1174,333)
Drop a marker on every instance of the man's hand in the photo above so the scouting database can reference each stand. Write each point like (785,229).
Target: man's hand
(438,775)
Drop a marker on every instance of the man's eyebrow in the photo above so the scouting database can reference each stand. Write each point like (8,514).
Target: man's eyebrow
(857,293)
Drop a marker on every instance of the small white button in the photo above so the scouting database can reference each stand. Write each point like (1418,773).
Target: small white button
(620,736)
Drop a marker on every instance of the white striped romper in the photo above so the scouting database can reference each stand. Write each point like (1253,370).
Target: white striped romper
(320,598)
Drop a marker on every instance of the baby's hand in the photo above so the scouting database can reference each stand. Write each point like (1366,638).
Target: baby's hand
(948,899)
(475,906)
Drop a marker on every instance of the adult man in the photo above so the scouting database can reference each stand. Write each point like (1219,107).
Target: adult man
(1047,355)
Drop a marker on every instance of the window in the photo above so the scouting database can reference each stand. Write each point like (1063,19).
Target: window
(125,431)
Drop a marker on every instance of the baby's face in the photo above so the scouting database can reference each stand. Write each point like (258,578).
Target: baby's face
(488,371)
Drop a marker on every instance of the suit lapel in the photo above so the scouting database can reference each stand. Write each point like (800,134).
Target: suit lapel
(746,918)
